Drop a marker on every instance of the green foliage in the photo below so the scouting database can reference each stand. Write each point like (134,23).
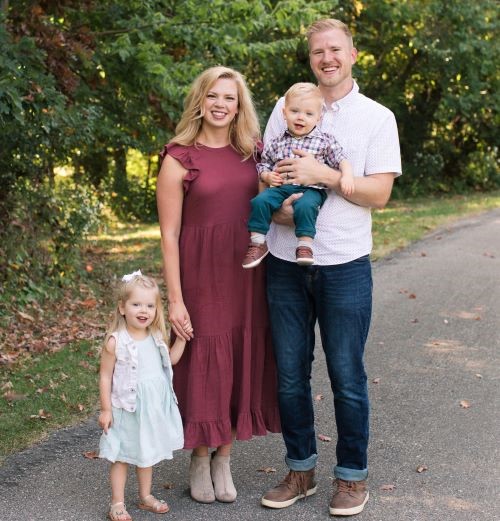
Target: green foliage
(435,64)
(42,237)
(84,83)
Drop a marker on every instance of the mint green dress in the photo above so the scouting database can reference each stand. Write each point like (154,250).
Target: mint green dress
(154,430)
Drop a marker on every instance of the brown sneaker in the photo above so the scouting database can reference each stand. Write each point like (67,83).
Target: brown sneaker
(304,256)
(295,486)
(255,254)
(349,498)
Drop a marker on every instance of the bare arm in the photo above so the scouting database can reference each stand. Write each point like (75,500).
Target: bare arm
(108,360)
(170,197)
(177,350)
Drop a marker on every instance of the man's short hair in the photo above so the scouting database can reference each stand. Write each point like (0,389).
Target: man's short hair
(327,24)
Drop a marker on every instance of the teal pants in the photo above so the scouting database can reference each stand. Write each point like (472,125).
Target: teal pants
(305,209)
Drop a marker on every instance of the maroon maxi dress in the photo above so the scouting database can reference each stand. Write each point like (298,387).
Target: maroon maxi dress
(225,380)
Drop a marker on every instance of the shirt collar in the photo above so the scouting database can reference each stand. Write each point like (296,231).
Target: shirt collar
(345,101)
(314,132)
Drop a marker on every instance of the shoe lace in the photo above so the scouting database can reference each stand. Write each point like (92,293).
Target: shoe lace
(345,486)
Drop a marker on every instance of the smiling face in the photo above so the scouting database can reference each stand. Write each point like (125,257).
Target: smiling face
(331,56)
(139,310)
(220,105)
(302,113)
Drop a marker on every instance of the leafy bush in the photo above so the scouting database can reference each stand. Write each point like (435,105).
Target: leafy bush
(41,239)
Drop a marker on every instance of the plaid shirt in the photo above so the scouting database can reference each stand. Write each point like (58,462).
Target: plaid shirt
(325,148)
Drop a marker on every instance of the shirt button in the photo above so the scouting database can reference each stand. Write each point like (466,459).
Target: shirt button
(132,390)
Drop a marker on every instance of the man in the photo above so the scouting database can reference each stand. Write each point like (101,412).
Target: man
(337,289)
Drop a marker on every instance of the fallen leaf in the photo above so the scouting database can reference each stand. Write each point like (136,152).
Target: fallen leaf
(478,375)
(91,454)
(421,468)
(376,380)
(318,397)
(423,254)
(169,485)
(389,488)
(89,268)
(323,437)
(84,364)
(464,404)
(81,407)
(25,316)
(414,320)
(89,303)
(42,415)
(11,396)
(267,470)
(7,385)
(412,295)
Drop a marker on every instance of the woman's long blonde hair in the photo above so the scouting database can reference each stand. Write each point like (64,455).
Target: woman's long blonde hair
(123,293)
(244,131)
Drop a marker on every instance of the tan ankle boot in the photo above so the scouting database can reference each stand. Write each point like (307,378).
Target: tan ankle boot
(223,481)
(200,481)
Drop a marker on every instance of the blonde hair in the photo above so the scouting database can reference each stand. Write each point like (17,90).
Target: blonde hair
(327,24)
(244,131)
(123,292)
(303,89)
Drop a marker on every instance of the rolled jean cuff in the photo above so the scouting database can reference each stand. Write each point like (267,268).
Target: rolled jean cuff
(301,465)
(350,474)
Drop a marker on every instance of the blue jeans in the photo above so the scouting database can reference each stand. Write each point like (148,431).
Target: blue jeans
(340,298)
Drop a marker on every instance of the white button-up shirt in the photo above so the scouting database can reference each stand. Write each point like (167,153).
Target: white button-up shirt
(368,134)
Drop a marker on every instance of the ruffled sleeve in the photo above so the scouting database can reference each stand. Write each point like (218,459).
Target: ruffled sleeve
(186,157)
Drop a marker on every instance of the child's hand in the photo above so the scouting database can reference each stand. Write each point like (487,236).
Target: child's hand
(347,185)
(272,178)
(105,420)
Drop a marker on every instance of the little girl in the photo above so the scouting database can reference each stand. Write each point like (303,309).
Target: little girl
(139,413)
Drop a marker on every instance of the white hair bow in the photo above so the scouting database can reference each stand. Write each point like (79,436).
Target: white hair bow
(131,276)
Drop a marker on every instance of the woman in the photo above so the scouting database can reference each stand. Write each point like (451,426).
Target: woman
(225,382)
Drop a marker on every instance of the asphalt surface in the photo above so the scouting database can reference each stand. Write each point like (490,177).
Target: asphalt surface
(433,360)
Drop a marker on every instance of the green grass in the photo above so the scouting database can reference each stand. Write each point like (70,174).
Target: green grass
(47,392)
(403,222)
(64,384)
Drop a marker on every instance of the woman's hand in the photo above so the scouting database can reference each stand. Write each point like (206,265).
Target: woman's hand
(180,322)
(105,420)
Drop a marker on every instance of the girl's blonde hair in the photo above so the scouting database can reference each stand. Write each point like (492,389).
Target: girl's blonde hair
(123,293)
(244,131)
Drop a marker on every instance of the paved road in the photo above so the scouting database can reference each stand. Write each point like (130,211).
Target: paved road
(434,343)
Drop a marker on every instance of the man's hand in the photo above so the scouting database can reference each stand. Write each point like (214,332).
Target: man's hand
(303,170)
(285,214)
